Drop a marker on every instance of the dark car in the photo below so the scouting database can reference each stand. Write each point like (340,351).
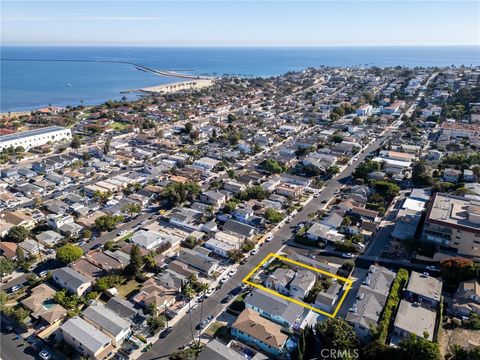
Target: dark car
(227,298)
(95,247)
(236,291)
(165,332)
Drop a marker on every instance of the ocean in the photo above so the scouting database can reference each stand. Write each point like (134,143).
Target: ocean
(29,85)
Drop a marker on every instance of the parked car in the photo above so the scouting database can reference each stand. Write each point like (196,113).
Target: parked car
(227,299)
(45,355)
(165,332)
(348,255)
(205,322)
(98,246)
(223,280)
(209,292)
(16,288)
(269,237)
(232,272)
(254,252)
(43,273)
(432,268)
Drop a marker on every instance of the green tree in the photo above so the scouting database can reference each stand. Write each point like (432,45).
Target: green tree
(136,261)
(75,142)
(337,138)
(108,282)
(457,352)
(273,216)
(176,193)
(356,120)
(336,333)
(334,170)
(230,206)
(417,348)
(188,127)
(6,266)
(69,253)
(108,222)
(17,234)
(272,166)
(131,209)
(109,245)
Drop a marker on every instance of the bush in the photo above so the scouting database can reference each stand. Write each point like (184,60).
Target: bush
(69,253)
(391,305)
(346,246)
(273,216)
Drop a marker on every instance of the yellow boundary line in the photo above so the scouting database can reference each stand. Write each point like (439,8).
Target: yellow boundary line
(348,283)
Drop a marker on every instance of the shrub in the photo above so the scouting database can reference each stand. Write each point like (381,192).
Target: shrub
(391,305)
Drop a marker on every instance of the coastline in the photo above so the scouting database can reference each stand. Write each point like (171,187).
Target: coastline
(179,86)
(158,89)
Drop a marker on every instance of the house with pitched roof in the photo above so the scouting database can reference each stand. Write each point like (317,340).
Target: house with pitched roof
(107,321)
(253,329)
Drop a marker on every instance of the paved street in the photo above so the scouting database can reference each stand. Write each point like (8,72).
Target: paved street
(181,334)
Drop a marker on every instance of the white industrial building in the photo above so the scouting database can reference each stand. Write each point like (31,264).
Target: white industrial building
(37,137)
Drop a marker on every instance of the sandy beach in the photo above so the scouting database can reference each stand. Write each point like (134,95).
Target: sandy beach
(185,85)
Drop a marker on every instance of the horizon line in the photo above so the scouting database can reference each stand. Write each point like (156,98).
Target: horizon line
(241,46)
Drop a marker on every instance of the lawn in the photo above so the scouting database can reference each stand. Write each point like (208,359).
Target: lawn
(126,290)
(118,126)
(214,328)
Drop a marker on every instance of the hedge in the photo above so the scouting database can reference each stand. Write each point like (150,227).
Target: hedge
(391,305)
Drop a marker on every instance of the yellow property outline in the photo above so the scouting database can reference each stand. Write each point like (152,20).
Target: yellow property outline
(298,302)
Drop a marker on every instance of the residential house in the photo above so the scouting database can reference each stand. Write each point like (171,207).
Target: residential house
(274,308)
(370,300)
(326,299)
(423,325)
(107,321)
(467,298)
(85,338)
(267,336)
(69,279)
(239,229)
(40,303)
(152,293)
(424,289)
(198,261)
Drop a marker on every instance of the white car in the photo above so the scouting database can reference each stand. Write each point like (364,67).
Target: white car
(254,252)
(269,238)
(43,273)
(232,272)
(209,293)
(123,232)
(432,268)
(16,288)
(317,194)
(223,280)
(45,355)
(348,255)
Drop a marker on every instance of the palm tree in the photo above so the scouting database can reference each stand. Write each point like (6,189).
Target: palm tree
(202,288)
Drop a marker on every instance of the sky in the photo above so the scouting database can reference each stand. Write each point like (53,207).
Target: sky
(240,23)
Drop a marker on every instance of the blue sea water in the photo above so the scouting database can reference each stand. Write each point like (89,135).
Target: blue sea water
(27,85)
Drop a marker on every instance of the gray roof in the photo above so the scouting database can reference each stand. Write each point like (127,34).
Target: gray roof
(85,334)
(71,277)
(28,133)
(106,319)
(196,260)
(274,305)
(215,350)
(238,228)
(122,307)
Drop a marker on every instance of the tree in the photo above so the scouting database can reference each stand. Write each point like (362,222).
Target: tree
(334,170)
(6,266)
(273,167)
(176,193)
(455,270)
(108,282)
(273,216)
(253,192)
(231,118)
(356,120)
(230,206)
(336,333)
(76,142)
(17,234)
(3,298)
(131,209)
(188,127)
(414,347)
(69,253)
(109,245)
(87,234)
(136,261)
(20,256)
(457,352)
(337,138)
(108,222)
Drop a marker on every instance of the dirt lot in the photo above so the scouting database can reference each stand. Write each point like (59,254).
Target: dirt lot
(460,336)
